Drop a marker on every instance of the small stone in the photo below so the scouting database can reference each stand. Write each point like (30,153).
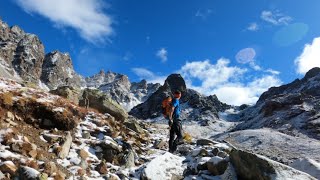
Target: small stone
(59,176)
(43,176)
(40,156)
(33,153)
(83,154)
(222,154)
(25,138)
(10,116)
(203,153)
(81,172)
(160,144)
(102,168)
(51,138)
(33,164)
(18,118)
(50,168)
(84,164)
(15,147)
(8,167)
(86,135)
(215,151)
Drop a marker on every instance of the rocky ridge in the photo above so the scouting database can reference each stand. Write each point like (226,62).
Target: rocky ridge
(291,109)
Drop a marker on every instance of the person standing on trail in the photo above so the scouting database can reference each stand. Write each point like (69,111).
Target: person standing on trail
(175,123)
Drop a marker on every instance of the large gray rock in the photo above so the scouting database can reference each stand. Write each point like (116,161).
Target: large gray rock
(69,92)
(57,70)
(252,166)
(98,100)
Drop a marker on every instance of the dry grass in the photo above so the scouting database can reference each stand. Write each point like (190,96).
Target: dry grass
(6,99)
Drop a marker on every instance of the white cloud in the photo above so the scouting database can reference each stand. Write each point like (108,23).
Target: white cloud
(274,72)
(275,18)
(162,54)
(86,16)
(211,75)
(146,74)
(226,81)
(309,58)
(253,27)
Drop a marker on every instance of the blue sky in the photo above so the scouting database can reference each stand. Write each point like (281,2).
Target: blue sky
(236,49)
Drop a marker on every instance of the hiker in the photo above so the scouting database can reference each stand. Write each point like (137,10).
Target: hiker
(175,123)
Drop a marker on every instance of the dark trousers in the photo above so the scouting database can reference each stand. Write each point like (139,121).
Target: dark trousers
(176,129)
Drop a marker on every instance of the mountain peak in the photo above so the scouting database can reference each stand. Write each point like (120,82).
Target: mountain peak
(312,73)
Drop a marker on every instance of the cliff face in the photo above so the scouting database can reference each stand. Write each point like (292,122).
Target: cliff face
(22,56)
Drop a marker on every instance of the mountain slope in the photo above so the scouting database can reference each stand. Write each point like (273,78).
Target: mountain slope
(292,108)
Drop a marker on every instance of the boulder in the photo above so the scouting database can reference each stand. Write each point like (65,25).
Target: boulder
(133,125)
(163,167)
(204,142)
(8,167)
(252,166)
(65,146)
(104,104)
(69,92)
(28,173)
(217,165)
(129,159)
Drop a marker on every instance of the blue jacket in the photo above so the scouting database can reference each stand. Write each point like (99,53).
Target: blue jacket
(176,111)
